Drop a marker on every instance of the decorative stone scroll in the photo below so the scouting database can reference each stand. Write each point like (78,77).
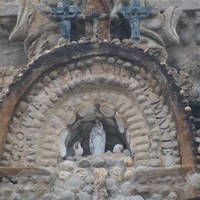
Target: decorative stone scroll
(127,95)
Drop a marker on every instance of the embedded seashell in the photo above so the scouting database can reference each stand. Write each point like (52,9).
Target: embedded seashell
(80,41)
(118,43)
(185,101)
(170,72)
(73,42)
(182,92)
(199,150)
(133,46)
(188,109)
(162,63)
(115,40)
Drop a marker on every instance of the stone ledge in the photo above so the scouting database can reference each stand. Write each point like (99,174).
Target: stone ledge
(144,172)
(139,172)
(27,171)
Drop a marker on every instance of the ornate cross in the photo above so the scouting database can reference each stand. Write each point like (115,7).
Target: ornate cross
(65,14)
(134,13)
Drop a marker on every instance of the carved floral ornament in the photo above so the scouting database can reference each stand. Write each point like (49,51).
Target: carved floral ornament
(53,104)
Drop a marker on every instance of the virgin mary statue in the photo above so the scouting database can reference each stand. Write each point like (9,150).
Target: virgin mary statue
(97,141)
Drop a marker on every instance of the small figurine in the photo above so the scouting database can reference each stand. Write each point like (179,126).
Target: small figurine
(78,150)
(66,13)
(118,148)
(134,14)
(97,139)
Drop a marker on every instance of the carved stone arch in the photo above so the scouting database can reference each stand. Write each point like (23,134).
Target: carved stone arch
(55,92)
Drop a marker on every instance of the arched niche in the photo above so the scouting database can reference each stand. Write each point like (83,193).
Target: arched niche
(67,89)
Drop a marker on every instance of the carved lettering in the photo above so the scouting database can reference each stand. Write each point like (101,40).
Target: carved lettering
(25,123)
(19,135)
(31,151)
(37,104)
(17,150)
(44,110)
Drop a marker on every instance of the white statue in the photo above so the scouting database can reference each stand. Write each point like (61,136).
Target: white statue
(78,150)
(97,139)
(118,148)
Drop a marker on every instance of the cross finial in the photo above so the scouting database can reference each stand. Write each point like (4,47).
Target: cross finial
(65,14)
(134,14)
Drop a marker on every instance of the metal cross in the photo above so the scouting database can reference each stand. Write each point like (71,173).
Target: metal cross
(65,14)
(134,13)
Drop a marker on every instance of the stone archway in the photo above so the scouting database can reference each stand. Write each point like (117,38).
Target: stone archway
(120,88)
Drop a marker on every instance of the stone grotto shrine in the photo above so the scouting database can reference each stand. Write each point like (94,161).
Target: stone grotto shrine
(99,100)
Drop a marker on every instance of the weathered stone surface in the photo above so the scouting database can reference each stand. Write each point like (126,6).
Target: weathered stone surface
(62,146)
(163,4)
(80,173)
(98,162)
(83,196)
(110,162)
(120,197)
(89,179)
(125,187)
(75,182)
(128,174)
(8,9)
(68,195)
(87,110)
(88,189)
(31,197)
(120,122)
(71,118)
(113,191)
(156,197)
(84,162)
(108,112)
(48,196)
(65,175)
(127,152)
(137,197)
(57,191)
(116,173)
(127,162)
(100,173)
(110,182)
(172,196)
